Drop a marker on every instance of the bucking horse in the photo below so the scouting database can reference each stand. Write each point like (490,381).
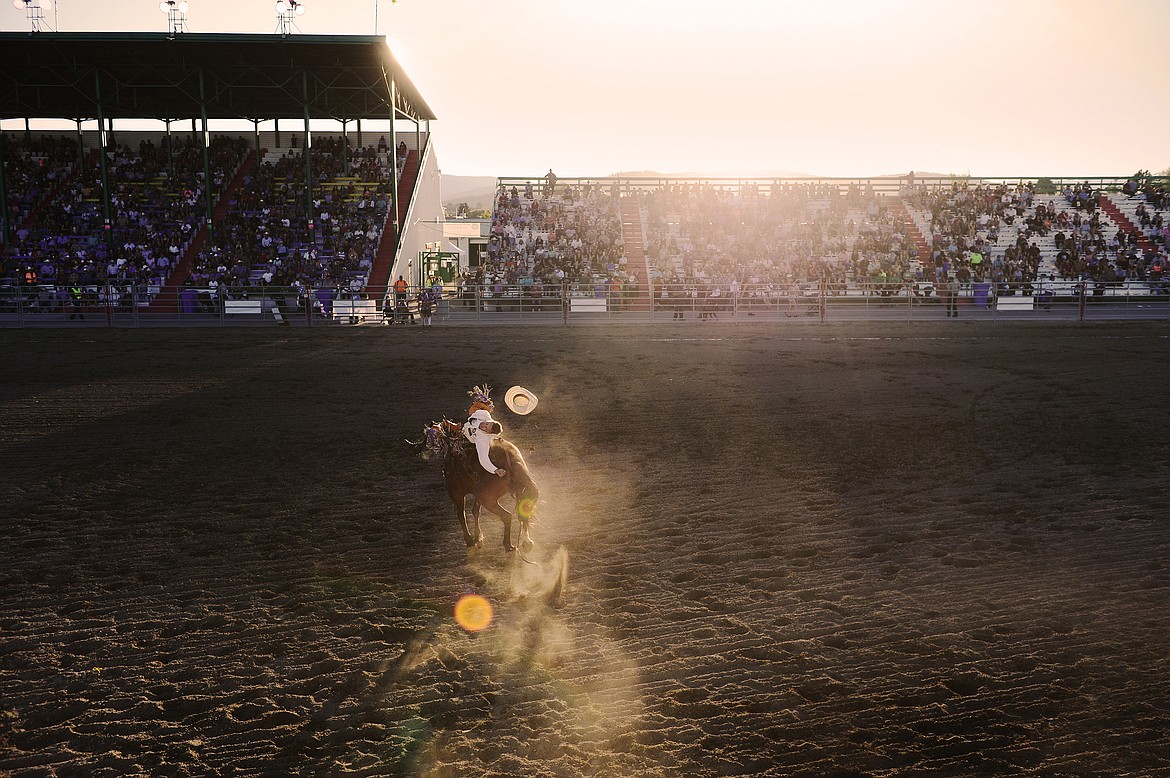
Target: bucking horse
(466,477)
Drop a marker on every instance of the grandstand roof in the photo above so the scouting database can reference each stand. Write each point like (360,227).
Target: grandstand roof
(157,76)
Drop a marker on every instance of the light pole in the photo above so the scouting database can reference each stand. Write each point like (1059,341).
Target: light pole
(286,13)
(176,11)
(34,11)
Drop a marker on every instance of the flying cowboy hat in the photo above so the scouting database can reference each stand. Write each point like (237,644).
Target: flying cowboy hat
(520,401)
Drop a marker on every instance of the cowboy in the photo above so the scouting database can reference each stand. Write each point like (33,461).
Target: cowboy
(481,429)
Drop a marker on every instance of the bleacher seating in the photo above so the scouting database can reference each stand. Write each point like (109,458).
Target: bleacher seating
(156,203)
(760,239)
(755,235)
(265,236)
(538,237)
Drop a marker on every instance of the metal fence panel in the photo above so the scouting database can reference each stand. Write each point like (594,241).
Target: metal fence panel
(582,303)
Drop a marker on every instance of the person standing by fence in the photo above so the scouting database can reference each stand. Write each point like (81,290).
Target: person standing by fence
(76,295)
(426,305)
(951,294)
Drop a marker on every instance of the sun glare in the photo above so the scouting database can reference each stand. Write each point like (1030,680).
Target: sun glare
(473,612)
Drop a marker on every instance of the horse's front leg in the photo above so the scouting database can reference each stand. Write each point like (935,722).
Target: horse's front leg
(505,516)
(471,535)
(475,520)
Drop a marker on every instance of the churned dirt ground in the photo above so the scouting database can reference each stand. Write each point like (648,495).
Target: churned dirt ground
(866,550)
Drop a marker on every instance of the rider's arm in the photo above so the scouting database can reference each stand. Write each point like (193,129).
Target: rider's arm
(482,444)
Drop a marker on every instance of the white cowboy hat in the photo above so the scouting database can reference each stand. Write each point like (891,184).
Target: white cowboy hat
(520,401)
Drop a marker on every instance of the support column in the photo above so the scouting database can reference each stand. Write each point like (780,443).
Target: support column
(170,152)
(394,168)
(359,134)
(205,142)
(256,132)
(80,149)
(344,147)
(307,147)
(3,188)
(276,133)
(108,226)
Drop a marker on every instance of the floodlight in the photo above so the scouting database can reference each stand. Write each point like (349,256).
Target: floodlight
(286,12)
(176,11)
(34,11)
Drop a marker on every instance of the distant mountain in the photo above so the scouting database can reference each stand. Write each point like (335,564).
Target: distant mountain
(921,174)
(657,174)
(477,191)
(774,174)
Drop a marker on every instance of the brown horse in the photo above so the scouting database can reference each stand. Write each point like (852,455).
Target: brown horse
(466,477)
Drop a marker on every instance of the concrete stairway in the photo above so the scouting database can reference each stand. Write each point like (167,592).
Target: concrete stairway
(167,299)
(921,245)
(388,245)
(1122,220)
(635,251)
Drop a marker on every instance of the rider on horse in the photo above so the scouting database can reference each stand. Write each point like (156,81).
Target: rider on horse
(481,429)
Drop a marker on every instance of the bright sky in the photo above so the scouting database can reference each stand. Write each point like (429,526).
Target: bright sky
(752,87)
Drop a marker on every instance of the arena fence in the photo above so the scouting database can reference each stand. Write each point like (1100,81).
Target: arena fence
(114,305)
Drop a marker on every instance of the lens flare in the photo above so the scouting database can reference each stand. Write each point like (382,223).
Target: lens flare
(526,508)
(473,612)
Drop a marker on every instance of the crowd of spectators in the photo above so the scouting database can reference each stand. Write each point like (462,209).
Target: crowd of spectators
(964,225)
(1013,236)
(1153,211)
(704,242)
(1152,261)
(265,237)
(702,239)
(707,240)
(774,236)
(156,199)
(552,236)
(33,166)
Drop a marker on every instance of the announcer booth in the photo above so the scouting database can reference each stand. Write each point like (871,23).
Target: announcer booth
(275,86)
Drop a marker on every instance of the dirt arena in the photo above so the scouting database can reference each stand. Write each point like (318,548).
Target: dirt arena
(863,550)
